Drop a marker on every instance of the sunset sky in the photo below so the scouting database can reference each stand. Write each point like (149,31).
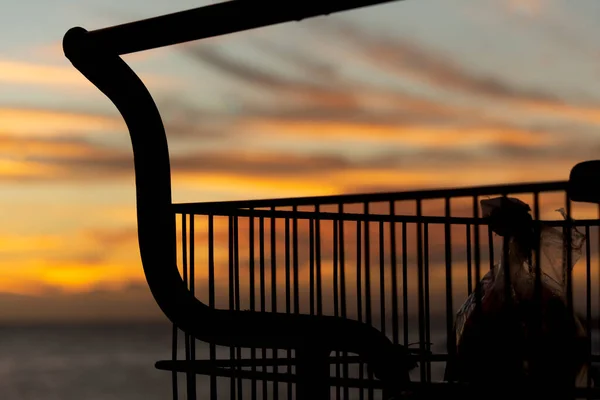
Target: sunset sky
(417,93)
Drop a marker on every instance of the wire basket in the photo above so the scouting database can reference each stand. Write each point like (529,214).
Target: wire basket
(402,262)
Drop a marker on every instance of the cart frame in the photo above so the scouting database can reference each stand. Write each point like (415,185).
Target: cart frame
(96,54)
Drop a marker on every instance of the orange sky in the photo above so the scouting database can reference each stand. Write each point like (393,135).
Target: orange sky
(328,106)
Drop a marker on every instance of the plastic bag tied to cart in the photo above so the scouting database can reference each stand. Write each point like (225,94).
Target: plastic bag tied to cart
(530,337)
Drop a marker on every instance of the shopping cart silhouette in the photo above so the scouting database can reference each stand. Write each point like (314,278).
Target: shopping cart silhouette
(314,292)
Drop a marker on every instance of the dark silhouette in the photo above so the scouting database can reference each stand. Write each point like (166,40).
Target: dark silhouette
(536,339)
(312,337)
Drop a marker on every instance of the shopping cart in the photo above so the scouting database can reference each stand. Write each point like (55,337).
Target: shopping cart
(318,296)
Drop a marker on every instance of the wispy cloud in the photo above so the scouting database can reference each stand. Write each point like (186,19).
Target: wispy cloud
(286,87)
(19,72)
(405,57)
(36,74)
(55,122)
(422,157)
(492,100)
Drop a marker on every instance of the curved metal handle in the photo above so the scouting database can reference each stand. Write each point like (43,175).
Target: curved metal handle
(156,220)
(584,182)
(215,20)
(157,237)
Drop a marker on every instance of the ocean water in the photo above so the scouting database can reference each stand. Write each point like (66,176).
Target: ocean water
(96,362)
(84,362)
(106,362)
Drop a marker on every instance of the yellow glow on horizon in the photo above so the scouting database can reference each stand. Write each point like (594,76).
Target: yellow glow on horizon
(83,278)
(50,123)
(251,186)
(21,169)
(25,73)
(22,243)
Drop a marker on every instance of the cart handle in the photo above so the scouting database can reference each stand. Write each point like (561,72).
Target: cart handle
(208,21)
(584,182)
(314,336)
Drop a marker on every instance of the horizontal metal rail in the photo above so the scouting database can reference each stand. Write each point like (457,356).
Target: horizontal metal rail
(283,361)
(329,216)
(214,20)
(198,208)
(423,389)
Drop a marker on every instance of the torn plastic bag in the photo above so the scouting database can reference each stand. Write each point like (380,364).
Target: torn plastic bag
(507,339)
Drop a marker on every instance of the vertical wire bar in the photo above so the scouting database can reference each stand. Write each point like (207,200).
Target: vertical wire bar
(367,244)
(426,297)
(274,294)
(192,255)
(405,284)
(193,292)
(336,302)
(598,282)
(359,299)
(507,268)
(477,253)
(491,246)
(236,294)
(319,281)
(588,302)
(273,263)
(287,263)
(211,297)
(450,338)
(174,348)
(394,273)
(508,301)
(231,245)
(569,257)
(296,262)
(342,251)
(184,239)
(288,299)
(382,276)
(538,266)
(311,264)
(261,255)
(343,304)
(421,300)
(469,261)
(174,358)
(505,263)
(184,248)
(477,256)
(262,286)
(252,289)
(368,311)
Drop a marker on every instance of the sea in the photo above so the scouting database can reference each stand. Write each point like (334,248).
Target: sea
(103,362)
(93,362)
(84,362)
